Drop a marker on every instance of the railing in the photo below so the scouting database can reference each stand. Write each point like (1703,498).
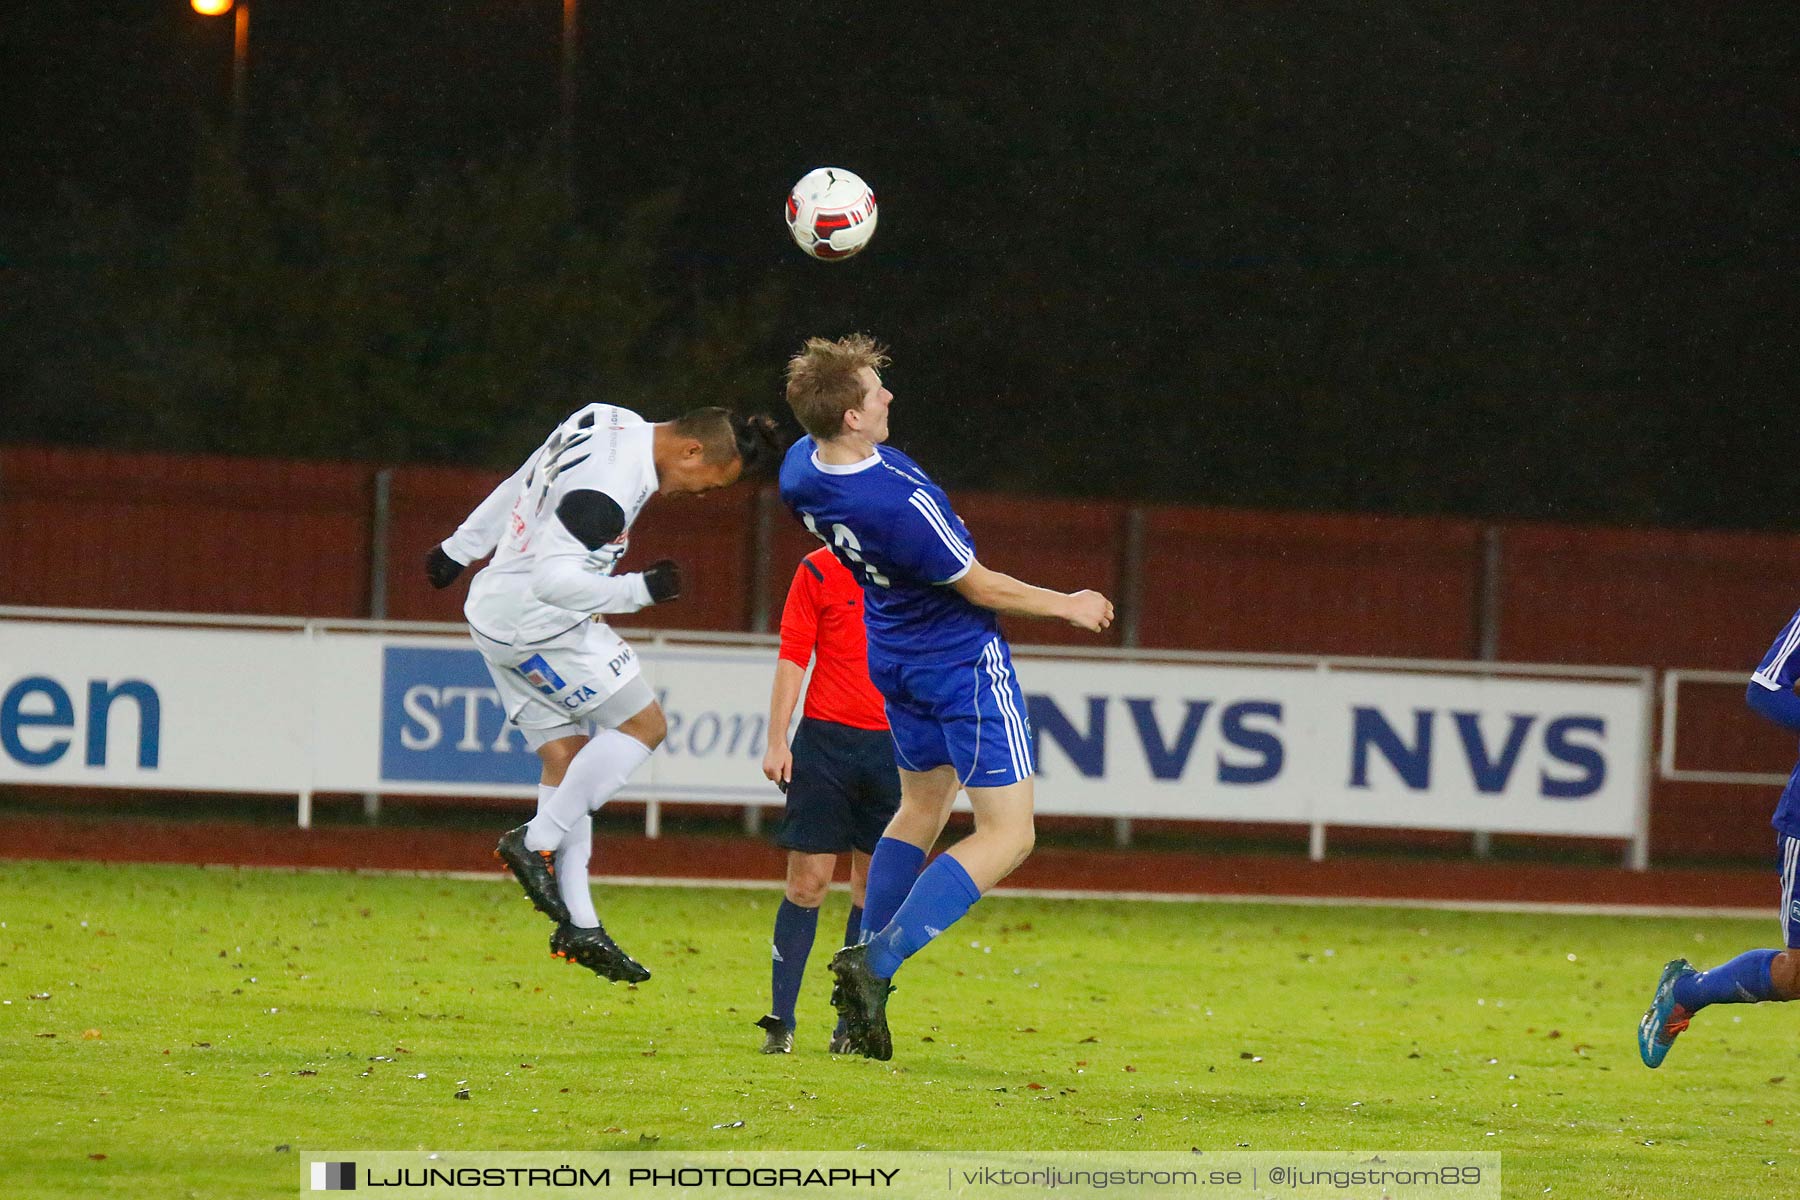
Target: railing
(1666,767)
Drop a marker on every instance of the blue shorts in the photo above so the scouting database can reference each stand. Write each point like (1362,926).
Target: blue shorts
(1789,849)
(970,715)
(844,791)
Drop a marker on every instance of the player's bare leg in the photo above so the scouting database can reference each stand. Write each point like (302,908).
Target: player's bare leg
(554,759)
(1004,833)
(925,801)
(809,877)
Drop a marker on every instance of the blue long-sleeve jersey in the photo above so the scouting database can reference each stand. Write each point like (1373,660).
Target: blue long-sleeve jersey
(1771,693)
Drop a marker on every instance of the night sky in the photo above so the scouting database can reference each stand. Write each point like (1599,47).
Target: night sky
(1514,259)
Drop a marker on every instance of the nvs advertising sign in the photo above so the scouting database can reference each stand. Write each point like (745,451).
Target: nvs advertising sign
(345,711)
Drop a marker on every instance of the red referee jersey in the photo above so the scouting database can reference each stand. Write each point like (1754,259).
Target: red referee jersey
(824,612)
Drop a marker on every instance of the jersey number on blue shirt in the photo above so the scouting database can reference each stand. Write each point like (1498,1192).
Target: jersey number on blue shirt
(843,543)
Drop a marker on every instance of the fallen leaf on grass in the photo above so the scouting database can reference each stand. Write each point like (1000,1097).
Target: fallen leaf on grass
(97,1157)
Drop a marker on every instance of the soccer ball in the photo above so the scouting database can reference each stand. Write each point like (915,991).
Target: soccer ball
(831,213)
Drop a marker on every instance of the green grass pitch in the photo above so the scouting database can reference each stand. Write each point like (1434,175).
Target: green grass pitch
(174,1031)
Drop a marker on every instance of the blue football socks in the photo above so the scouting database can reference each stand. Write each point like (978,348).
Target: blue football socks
(1743,980)
(937,901)
(795,928)
(892,870)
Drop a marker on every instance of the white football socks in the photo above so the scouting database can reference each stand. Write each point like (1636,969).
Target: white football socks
(596,773)
(564,821)
(545,793)
(572,874)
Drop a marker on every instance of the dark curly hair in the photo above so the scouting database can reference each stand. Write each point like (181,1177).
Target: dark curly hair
(755,440)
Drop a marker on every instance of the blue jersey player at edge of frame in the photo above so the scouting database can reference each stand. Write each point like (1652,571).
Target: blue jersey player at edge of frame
(955,709)
(1756,974)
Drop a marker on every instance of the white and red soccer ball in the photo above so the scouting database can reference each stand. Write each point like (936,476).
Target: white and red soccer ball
(831,213)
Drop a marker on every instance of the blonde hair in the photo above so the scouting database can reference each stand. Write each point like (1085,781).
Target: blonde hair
(822,382)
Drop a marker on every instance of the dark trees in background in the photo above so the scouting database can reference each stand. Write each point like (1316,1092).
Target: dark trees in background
(343,305)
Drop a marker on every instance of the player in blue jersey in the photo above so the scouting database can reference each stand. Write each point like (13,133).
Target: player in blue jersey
(1757,974)
(954,706)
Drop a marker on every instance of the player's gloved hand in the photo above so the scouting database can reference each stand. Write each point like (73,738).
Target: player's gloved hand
(663,578)
(440,568)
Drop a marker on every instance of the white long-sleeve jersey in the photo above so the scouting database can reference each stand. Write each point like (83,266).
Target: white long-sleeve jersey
(543,581)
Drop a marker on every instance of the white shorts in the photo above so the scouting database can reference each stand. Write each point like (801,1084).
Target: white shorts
(564,686)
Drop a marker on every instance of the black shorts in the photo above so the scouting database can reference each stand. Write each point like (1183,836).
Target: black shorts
(844,791)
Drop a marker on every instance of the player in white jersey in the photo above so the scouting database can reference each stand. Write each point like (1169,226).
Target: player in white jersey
(557,529)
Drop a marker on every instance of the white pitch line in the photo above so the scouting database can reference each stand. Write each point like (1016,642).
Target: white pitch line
(1437,905)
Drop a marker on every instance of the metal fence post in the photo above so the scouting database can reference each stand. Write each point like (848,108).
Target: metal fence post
(762,549)
(1130,611)
(1487,595)
(1637,850)
(1487,632)
(381,520)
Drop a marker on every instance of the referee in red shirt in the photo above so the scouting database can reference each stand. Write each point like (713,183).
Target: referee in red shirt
(842,788)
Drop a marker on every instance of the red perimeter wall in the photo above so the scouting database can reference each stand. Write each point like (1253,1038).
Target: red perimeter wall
(92,529)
